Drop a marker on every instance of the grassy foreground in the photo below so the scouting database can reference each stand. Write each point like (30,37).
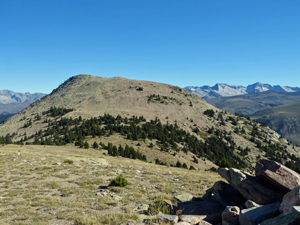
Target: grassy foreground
(68,185)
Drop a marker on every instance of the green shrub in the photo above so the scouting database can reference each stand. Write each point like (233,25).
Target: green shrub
(184,166)
(192,168)
(68,161)
(159,205)
(119,181)
(209,112)
(213,169)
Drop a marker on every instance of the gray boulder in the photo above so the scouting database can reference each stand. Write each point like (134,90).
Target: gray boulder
(277,175)
(230,216)
(296,210)
(225,194)
(256,215)
(283,219)
(210,210)
(250,204)
(250,187)
(289,200)
(167,218)
(184,197)
(191,219)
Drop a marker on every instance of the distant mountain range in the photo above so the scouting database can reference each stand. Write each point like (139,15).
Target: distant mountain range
(12,102)
(278,108)
(225,90)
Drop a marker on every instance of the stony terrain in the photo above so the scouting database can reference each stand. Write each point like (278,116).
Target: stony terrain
(69,185)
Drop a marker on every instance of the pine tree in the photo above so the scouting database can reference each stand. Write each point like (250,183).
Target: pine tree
(86,145)
(95,145)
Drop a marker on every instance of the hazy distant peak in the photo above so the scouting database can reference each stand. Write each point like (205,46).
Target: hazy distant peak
(8,96)
(225,90)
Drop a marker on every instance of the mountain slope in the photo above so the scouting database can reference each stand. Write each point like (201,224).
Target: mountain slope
(225,90)
(175,123)
(92,96)
(284,119)
(251,103)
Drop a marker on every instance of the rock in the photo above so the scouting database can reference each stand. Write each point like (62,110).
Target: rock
(169,203)
(225,194)
(192,219)
(283,219)
(142,209)
(131,222)
(184,197)
(296,210)
(147,219)
(116,197)
(167,218)
(230,216)
(256,215)
(277,175)
(289,200)
(200,223)
(250,187)
(209,209)
(250,204)
(204,223)
(103,162)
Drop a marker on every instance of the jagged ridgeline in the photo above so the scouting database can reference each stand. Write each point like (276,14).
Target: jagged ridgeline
(133,119)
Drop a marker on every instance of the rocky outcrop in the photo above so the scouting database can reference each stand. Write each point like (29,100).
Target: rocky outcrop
(277,175)
(245,200)
(250,187)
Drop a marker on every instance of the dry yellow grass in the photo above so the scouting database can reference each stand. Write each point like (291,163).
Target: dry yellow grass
(41,185)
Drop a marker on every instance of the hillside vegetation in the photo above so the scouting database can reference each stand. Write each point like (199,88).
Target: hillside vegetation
(251,103)
(280,111)
(157,122)
(284,119)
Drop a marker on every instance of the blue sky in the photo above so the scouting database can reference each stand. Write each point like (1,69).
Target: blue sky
(183,43)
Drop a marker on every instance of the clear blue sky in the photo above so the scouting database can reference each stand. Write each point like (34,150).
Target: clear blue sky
(184,43)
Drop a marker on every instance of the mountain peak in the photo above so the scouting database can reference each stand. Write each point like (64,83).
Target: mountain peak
(225,90)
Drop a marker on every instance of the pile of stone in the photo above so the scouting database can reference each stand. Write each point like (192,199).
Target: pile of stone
(270,197)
